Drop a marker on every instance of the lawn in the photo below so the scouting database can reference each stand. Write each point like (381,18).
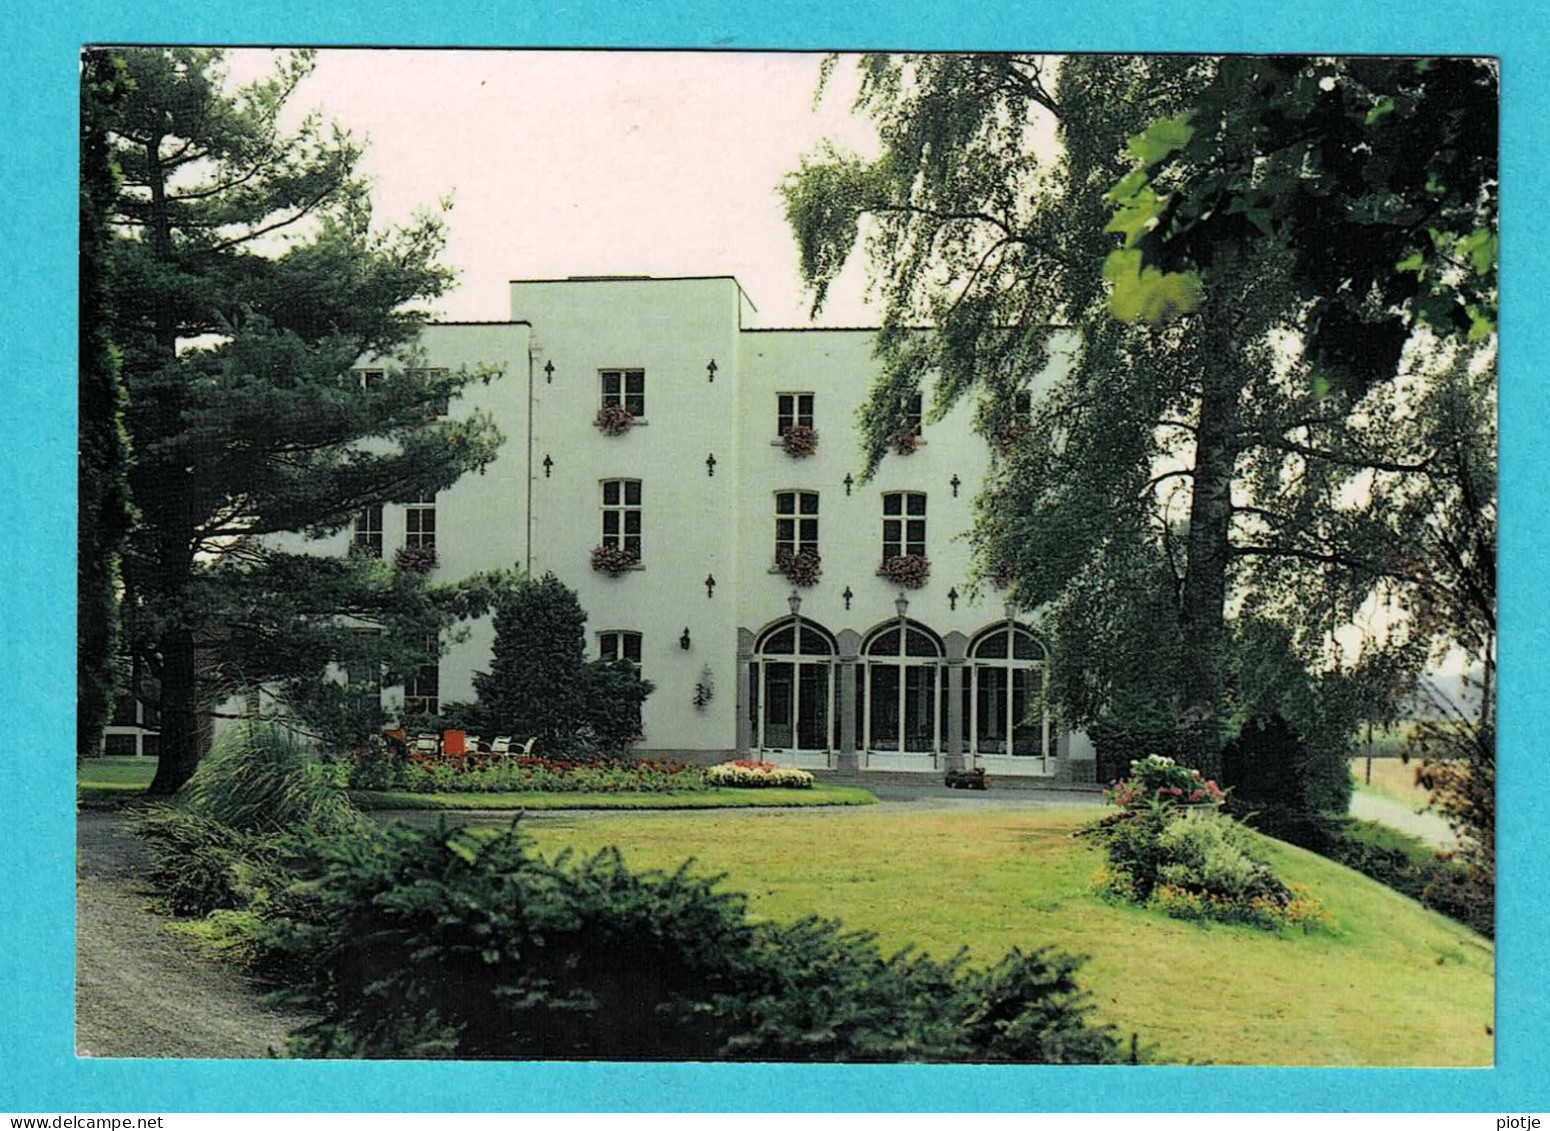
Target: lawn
(1394,984)
(1391,778)
(698,799)
(107,779)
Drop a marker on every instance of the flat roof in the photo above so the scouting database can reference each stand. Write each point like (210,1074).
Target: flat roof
(644,279)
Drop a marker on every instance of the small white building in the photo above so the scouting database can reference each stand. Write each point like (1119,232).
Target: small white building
(854,671)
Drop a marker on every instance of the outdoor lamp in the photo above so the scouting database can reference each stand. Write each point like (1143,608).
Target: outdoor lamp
(902,605)
(1011,609)
(794,603)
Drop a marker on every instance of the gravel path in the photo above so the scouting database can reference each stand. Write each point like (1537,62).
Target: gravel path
(1429,827)
(141,990)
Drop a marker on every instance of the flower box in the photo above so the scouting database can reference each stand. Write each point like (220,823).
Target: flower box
(614,420)
(905,443)
(801,568)
(612,560)
(800,441)
(415,559)
(908,570)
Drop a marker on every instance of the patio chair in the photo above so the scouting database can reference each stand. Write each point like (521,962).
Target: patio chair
(427,744)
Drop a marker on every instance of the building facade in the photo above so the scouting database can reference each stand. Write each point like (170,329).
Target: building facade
(782,608)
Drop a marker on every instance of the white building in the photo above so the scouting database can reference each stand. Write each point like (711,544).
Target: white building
(853,672)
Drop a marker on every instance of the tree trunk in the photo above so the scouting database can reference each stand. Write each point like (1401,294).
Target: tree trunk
(179,713)
(1204,599)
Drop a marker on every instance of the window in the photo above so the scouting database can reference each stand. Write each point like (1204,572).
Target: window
(420,522)
(369,378)
(912,413)
(626,388)
(433,376)
(1022,403)
(792,409)
(619,646)
(1004,690)
(621,515)
(900,699)
(904,524)
(367,536)
(796,523)
(422,688)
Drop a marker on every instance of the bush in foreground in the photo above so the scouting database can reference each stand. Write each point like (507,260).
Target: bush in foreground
(443,944)
(746,774)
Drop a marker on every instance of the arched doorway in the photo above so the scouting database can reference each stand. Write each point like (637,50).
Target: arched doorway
(1005,712)
(901,698)
(791,699)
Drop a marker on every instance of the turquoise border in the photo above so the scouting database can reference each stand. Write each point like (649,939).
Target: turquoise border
(38,1070)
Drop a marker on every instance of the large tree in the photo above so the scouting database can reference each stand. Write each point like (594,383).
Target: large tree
(103,508)
(1208,441)
(248,280)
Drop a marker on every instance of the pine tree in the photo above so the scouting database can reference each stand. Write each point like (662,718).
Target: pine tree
(103,509)
(247,281)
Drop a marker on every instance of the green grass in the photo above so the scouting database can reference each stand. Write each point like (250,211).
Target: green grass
(1392,984)
(698,799)
(113,779)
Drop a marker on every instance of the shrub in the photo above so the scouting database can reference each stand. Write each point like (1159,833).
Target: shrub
(1284,788)
(415,559)
(757,775)
(1196,864)
(1410,868)
(259,778)
(438,943)
(499,774)
(193,861)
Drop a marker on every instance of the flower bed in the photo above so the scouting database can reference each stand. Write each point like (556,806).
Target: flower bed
(1170,850)
(612,560)
(614,420)
(800,441)
(494,773)
(747,774)
(908,570)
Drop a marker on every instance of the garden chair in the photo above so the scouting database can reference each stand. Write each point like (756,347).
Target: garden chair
(427,744)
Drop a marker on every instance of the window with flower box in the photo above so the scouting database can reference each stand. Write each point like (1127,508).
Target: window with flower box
(622,515)
(430,377)
(796,523)
(625,388)
(904,524)
(913,413)
(366,538)
(793,409)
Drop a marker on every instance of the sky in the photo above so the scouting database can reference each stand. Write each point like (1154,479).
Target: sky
(594,163)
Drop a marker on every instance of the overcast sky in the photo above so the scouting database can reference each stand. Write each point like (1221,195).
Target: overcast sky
(594,163)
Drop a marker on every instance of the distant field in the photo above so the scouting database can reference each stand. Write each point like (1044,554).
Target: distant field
(1391,778)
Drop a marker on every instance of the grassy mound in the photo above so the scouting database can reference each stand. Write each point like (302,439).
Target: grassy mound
(1392,984)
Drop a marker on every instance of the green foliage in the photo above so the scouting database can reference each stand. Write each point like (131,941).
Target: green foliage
(104,512)
(1409,867)
(442,944)
(539,684)
(256,245)
(260,778)
(193,863)
(1250,456)
(1379,174)
(1283,786)
(1196,864)
(537,775)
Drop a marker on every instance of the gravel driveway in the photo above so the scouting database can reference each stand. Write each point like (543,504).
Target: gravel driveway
(141,990)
